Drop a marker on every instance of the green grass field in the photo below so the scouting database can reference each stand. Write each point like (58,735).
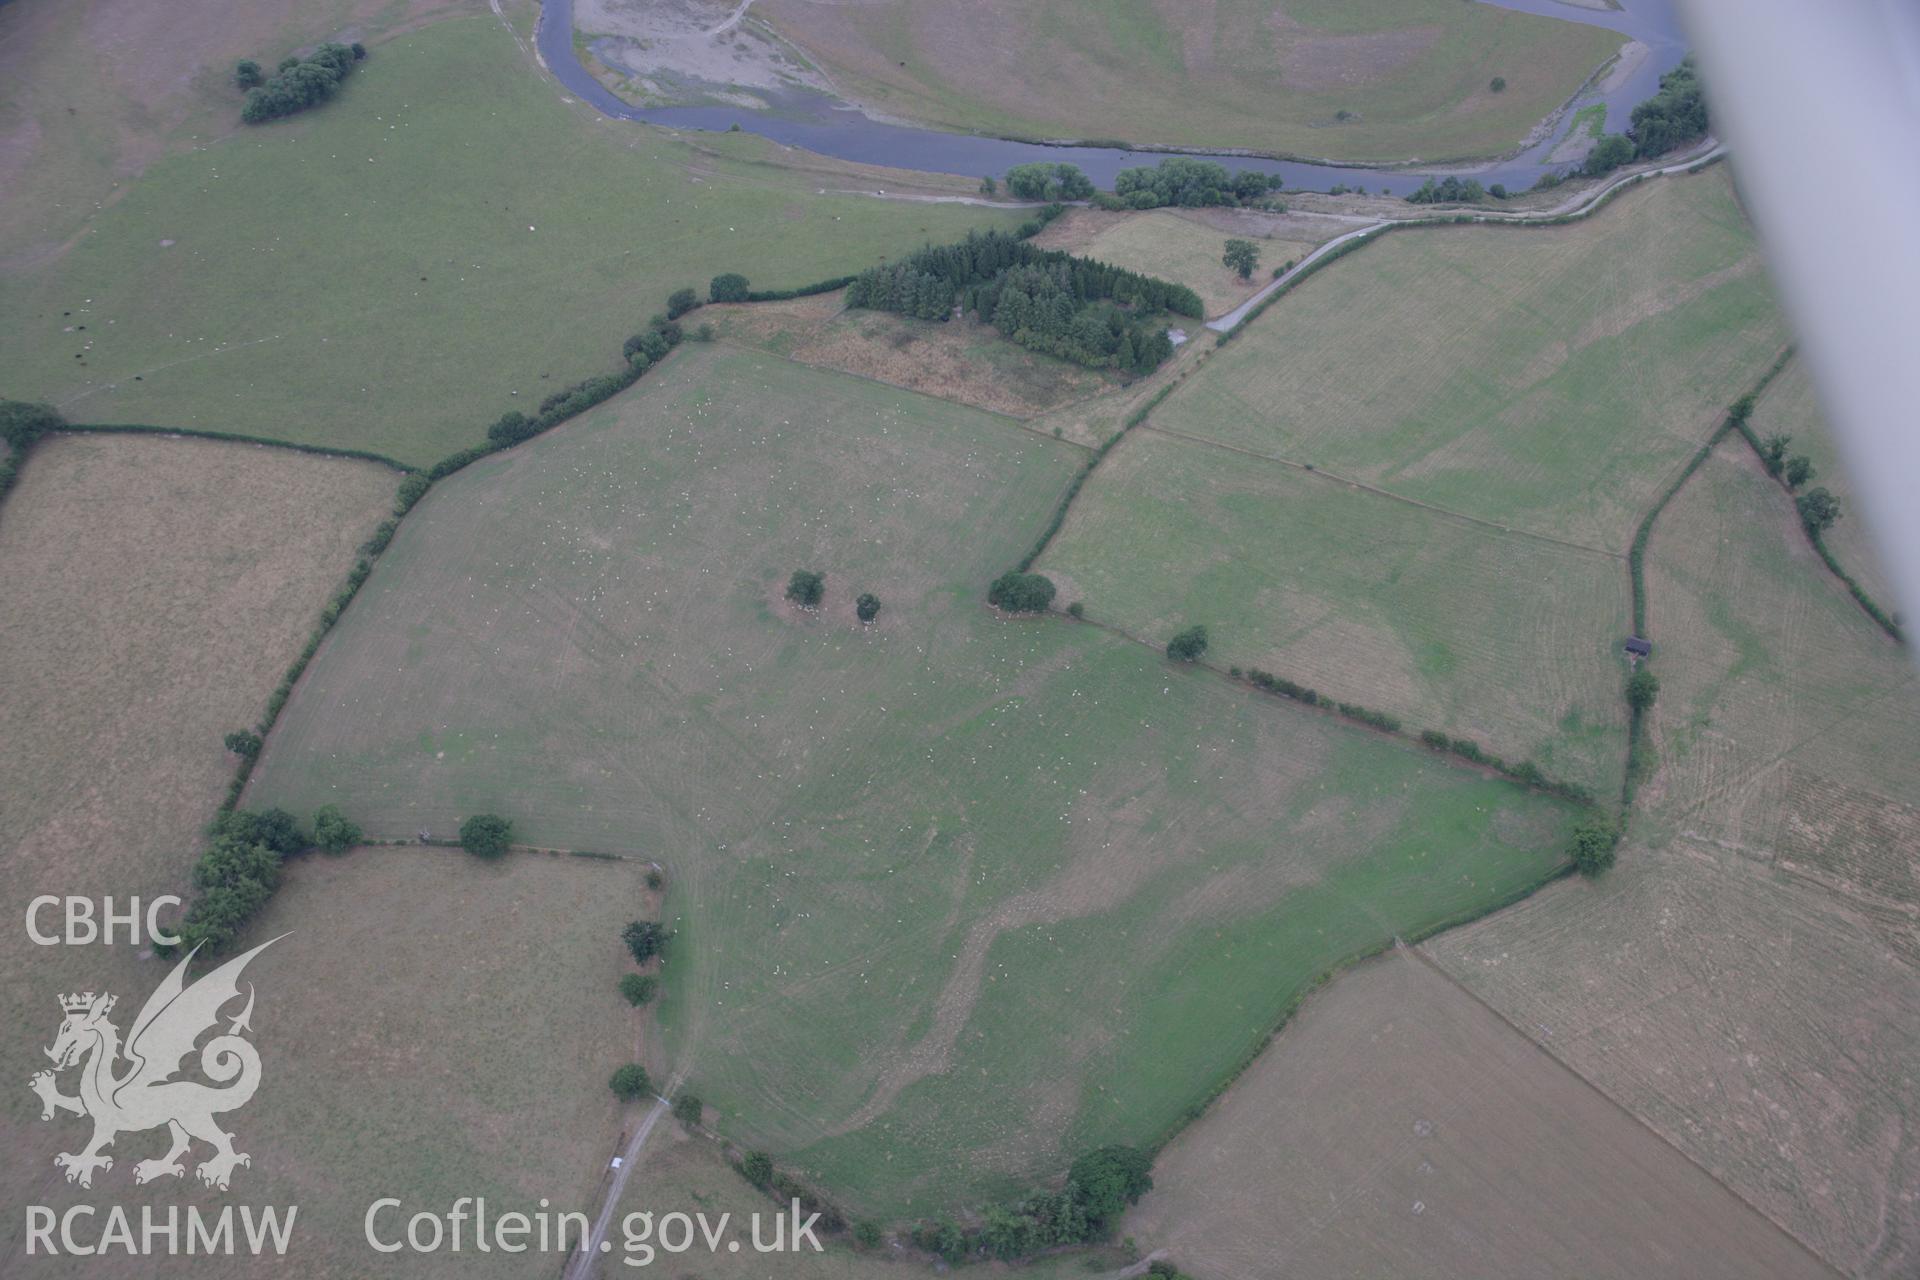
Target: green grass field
(1549,379)
(955,896)
(1444,623)
(443,242)
(1412,76)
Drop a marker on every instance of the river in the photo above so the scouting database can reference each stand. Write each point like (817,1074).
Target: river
(829,127)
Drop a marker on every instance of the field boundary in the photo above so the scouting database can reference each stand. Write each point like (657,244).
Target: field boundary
(1868,605)
(1335,478)
(235,437)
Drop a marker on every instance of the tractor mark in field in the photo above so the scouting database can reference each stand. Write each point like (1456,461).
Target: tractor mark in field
(1362,485)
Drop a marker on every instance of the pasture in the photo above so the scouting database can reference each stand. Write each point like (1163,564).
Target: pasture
(955,896)
(1744,980)
(1398,1127)
(1442,622)
(1379,80)
(447,240)
(1552,379)
(1178,246)
(156,590)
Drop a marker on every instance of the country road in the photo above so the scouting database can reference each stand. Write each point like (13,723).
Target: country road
(580,1264)
(1710,149)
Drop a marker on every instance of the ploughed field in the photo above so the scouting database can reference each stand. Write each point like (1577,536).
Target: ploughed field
(956,895)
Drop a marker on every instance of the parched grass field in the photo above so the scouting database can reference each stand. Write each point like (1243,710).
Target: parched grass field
(1551,379)
(1745,979)
(1398,1127)
(1176,246)
(446,240)
(1443,622)
(1791,407)
(955,896)
(1411,76)
(155,590)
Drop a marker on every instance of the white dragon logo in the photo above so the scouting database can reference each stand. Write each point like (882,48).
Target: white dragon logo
(145,1096)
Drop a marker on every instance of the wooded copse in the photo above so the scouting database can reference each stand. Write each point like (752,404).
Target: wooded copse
(299,83)
(1044,299)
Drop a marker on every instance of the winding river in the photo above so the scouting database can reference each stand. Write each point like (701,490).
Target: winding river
(822,124)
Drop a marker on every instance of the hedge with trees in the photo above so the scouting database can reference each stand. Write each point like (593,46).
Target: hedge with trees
(299,83)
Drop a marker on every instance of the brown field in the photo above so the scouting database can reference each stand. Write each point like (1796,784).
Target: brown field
(1185,246)
(1398,1127)
(157,79)
(961,361)
(155,591)
(1791,407)
(1747,979)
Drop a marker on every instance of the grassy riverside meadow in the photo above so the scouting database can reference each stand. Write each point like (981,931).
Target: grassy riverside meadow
(1443,622)
(1369,80)
(444,242)
(956,895)
(1549,379)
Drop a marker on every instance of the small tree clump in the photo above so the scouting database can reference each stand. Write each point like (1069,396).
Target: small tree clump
(1818,510)
(1188,645)
(1241,256)
(807,588)
(638,988)
(757,1168)
(867,607)
(1593,845)
(486,835)
(729,287)
(681,301)
(645,939)
(1642,688)
(1497,85)
(1773,453)
(1021,592)
(688,1108)
(333,831)
(244,743)
(247,74)
(867,1233)
(630,1082)
(24,421)
(1799,470)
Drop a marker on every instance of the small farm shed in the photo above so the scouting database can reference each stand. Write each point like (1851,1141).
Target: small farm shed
(1638,647)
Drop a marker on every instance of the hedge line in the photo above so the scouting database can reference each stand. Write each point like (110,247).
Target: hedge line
(1131,421)
(804,291)
(321,450)
(1867,603)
